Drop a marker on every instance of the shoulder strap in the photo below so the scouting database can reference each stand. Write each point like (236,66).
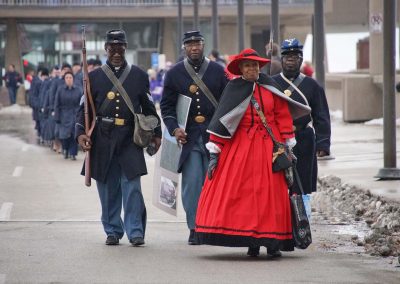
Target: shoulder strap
(122,78)
(117,84)
(297,177)
(264,120)
(294,85)
(199,82)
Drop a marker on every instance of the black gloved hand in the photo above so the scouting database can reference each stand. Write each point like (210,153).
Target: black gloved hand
(212,165)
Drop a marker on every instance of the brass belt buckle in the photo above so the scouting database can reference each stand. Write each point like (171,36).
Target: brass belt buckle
(119,121)
(200,118)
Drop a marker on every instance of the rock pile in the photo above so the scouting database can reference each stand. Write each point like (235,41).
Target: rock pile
(381,216)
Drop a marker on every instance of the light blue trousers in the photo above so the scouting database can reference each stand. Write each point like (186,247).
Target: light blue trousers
(118,191)
(194,171)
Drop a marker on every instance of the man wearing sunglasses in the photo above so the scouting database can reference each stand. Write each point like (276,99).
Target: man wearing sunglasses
(313,132)
(188,78)
(116,162)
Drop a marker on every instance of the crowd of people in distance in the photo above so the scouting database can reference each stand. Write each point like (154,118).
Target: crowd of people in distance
(54,96)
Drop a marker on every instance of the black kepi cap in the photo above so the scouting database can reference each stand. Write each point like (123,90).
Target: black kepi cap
(116,36)
(191,36)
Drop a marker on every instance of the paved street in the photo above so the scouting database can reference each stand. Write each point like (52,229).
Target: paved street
(50,232)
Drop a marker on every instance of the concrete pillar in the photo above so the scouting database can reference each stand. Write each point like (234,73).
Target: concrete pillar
(376,37)
(241,25)
(13,55)
(12,50)
(215,25)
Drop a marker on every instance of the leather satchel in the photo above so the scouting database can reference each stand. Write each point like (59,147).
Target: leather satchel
(144,129)
(144,124)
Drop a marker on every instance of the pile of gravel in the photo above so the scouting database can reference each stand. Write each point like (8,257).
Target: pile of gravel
(381,216)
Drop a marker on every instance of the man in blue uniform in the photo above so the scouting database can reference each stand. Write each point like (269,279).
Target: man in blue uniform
(203,81)
(116,162)
(313,132)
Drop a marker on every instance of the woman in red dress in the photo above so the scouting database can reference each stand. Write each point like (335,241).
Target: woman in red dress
(243,203)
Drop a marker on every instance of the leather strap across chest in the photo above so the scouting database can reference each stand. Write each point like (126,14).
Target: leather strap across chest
(197,78)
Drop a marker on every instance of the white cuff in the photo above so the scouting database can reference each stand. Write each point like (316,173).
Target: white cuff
(291,142)
(213,148)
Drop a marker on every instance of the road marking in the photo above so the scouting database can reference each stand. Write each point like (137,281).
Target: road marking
(88,221)
(5,211)
(2,278)
(18,171)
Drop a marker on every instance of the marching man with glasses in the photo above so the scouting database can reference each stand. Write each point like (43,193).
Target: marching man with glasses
(313,132)
(203,81)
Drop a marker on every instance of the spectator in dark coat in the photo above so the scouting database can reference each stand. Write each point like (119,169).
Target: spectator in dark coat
(13,81)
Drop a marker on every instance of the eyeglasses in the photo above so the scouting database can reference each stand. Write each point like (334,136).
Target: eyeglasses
(116,48)
(294,56)
(193,44)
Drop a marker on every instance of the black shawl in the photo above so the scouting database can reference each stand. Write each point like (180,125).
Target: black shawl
(235,100)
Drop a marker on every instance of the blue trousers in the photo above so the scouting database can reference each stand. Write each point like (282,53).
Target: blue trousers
(12,94)
(118,191)
(194,171)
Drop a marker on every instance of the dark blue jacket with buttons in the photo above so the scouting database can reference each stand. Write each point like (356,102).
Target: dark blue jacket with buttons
(114,141)
(177,81)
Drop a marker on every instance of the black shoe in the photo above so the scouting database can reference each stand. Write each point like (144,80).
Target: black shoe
(112,241)
(253,251)
(138,241)
(66,156)
(192,239)
(73,158)
(273,253)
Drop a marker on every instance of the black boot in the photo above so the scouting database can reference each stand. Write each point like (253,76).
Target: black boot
(192,239)
(273,253)
(253,251)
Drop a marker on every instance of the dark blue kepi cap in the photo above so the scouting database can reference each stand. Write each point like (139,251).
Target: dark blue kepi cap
(192,35)
(291,44)
(116,36)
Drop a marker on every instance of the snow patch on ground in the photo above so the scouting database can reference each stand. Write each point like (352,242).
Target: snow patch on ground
(379,122)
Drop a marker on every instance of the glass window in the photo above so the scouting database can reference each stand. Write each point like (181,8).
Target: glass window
(38,43)
(51,44)
(142,34)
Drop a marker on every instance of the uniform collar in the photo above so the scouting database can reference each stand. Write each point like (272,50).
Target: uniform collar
(292,76)
(196,65)
(115,71)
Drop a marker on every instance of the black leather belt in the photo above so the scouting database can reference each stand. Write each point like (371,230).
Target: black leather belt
(113,120)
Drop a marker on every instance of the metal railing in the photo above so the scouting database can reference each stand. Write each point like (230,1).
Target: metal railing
(136,3)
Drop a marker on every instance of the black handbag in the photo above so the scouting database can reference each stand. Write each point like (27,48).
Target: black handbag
(282,156)
(300,224)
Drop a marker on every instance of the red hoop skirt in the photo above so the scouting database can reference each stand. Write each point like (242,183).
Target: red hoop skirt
(245,203)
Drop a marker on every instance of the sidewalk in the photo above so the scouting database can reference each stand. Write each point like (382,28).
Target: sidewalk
(358,152)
